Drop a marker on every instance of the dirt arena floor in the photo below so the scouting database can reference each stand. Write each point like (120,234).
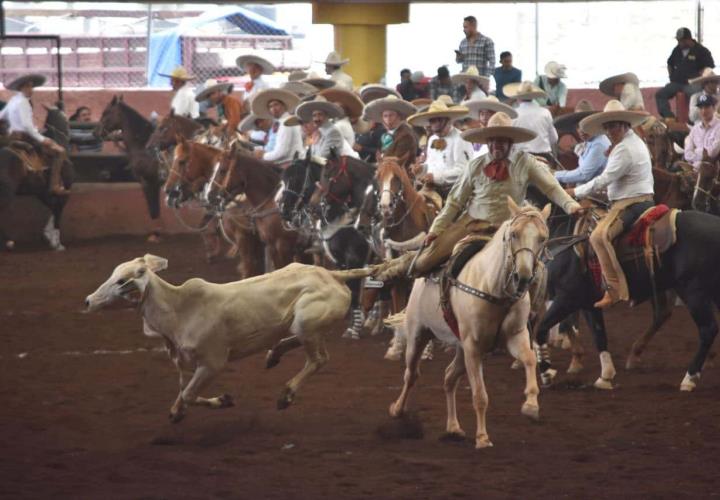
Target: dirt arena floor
(85,400)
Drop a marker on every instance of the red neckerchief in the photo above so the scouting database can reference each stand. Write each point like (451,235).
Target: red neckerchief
(497,170)
(249,86)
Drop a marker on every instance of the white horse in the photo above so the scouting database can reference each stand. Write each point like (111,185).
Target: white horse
(490,298)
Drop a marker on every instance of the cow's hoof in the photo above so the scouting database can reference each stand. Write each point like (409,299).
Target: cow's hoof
(516,365)
(482,443)
(176,416)
(531,411)
(286,399)
(395,410)
(632,362)
(453,436)
(271,359)
(226,401)
(603,384)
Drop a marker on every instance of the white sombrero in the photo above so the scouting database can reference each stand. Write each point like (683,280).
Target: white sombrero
(296,76)
(707,76)
(318,81)
(554,69)
(373,91)
(210,86)
(267,67)
(490,103)
(614,111)
(374,110)
(34,78)
(437,109)
(248,123)
(499,125)
(348,100)
(335,59)
(259,104)
(523,91)
(608,84)
(471,73)
(300,89)
(178,73)
(567,123)
(305,110)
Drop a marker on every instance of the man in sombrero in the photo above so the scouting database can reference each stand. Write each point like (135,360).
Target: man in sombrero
(333,67)
(471,84)
(399,140)
(480,112)
(352,107)
(629,182)
(183,102)
(328,140)
(551,83)
(19,116)
(481,194)
(282,142)
(255,67)
(447,153)
(534,117)
(626,88)
(229,108)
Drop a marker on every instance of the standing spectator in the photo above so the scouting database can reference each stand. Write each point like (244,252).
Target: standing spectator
(551,84)
(686,61)
(406,87)
(83,138)
(476,49)
(441,84)
(504,74)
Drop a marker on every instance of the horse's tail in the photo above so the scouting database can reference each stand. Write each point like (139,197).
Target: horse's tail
(353,274)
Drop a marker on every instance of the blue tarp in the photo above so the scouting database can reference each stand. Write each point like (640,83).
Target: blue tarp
(165,48)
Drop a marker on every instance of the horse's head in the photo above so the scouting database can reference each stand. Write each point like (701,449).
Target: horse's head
(216,194)
(335,184)
(164,135)
(394,185)
(294,181)
(111,118)
(191,169)
(57,126)
(524,239)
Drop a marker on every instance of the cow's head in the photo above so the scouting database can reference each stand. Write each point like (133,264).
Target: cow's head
(128,281)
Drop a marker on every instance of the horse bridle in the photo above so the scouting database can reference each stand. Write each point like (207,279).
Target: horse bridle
(536,256)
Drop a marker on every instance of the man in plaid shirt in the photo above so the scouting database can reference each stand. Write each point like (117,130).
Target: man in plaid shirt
(476,49)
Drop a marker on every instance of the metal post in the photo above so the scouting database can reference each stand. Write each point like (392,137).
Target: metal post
(147,39)
(2,19)
(699,20)
(59,69)
(537,38)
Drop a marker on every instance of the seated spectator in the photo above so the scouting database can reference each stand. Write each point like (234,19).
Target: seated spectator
(406,87)
(709,85)
(82,138)
(705,134)
(422,85)
(441,84)
(504,74)
(552,85)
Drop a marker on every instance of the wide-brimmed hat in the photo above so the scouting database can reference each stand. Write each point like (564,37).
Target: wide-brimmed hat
(34,78)
(211,85)
(248,123)
(489,103)
(348,100)
(296,76)
(305,110)
(267,67)
(373,91)
(471,73)
(568,123)
(614,111)
(608,84)
(374,110)
(179,73)
(292,121)
(259,104)
(499,125)
(335,59)
(318,81)
(300,89)
(437,109)
(523,90)
(554,69)
(707,76)
(421,102)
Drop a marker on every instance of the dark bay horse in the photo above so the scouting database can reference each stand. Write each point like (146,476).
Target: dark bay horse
(144,164)
(16,180)
(170,128)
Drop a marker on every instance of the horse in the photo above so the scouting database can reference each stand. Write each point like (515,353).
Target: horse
(15,179)
(493,300)
(170,128)
(144,164)
(192,168)
(707,187)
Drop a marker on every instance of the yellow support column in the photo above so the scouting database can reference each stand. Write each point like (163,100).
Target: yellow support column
(360,34)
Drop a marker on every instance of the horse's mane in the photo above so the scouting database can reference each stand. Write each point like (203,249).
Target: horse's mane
(264,174)
(390,165)
(134,114)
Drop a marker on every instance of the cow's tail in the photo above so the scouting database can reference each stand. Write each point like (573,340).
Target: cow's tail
(354,274)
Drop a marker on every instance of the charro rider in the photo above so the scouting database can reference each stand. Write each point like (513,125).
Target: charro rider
(18,114)
(481,193)
(333,67)
(255,67)
(447,153)
(481,110)
(282,142)
(629,182)
(229,107)
(399,140)
(183,102)
(533,117)
(328,140)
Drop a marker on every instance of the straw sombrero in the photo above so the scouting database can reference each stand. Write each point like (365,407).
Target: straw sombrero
(614,112)
(334,59)
(305,110)
(421,102)
(34,78)
(490,103)
(568,123)
(318,81)
(707,76)
(259,104)
(471,73)
(267,67)
(248,123)
(300,89)
(607,85)
(554,69)
(374,110)
(437,109)
(373,91)
(178,73)
(348,100)
(499,125)
(210,86)
(292,121)
(523,91)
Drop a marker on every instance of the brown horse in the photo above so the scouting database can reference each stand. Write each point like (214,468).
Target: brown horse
(706,195)
(191,171)
(170,128)
(136,130)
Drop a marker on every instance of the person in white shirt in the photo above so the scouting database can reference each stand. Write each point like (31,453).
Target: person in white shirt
(481,110)
(447,154)
(708,82)
(282,143)
(19,116)
(333,67)
(626,88)
(255,67)
(183,102)
(328,141)
(533,117)
(629,181)
(472,85)
(551,83)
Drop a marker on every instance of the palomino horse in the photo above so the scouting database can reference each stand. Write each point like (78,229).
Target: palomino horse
(192,168)
(16,179)
(491,298)
(136,131)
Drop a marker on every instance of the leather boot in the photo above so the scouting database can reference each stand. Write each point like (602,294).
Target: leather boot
(609,299)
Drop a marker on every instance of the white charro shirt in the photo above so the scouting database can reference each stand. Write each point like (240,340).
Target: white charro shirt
(447,164)
(258,84)
(18,114)
(628,172)
(534,117)
(288,141)
(184,103)
(346,129)
(342,79)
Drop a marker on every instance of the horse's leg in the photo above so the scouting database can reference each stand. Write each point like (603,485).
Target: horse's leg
(356,313)
(519,347)
(701,310)
(211,240)
(559,309)
(151,191)
(661,314)
(417,336)
(473,362)
(594,319)
(453,374)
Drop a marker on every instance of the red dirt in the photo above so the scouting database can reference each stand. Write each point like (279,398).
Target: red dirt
(95,426)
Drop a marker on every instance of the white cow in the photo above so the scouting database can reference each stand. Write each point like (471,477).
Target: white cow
(206,324)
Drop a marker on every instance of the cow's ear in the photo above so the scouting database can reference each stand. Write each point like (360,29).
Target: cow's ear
(155,263)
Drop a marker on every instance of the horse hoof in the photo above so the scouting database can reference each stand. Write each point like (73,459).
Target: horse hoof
(226,401)
(482,443)
(271,360)
(603,384)
(690,382)
(286,399)
(395,410)
(60,248)
(547,377)
(176,417)
(531,411)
